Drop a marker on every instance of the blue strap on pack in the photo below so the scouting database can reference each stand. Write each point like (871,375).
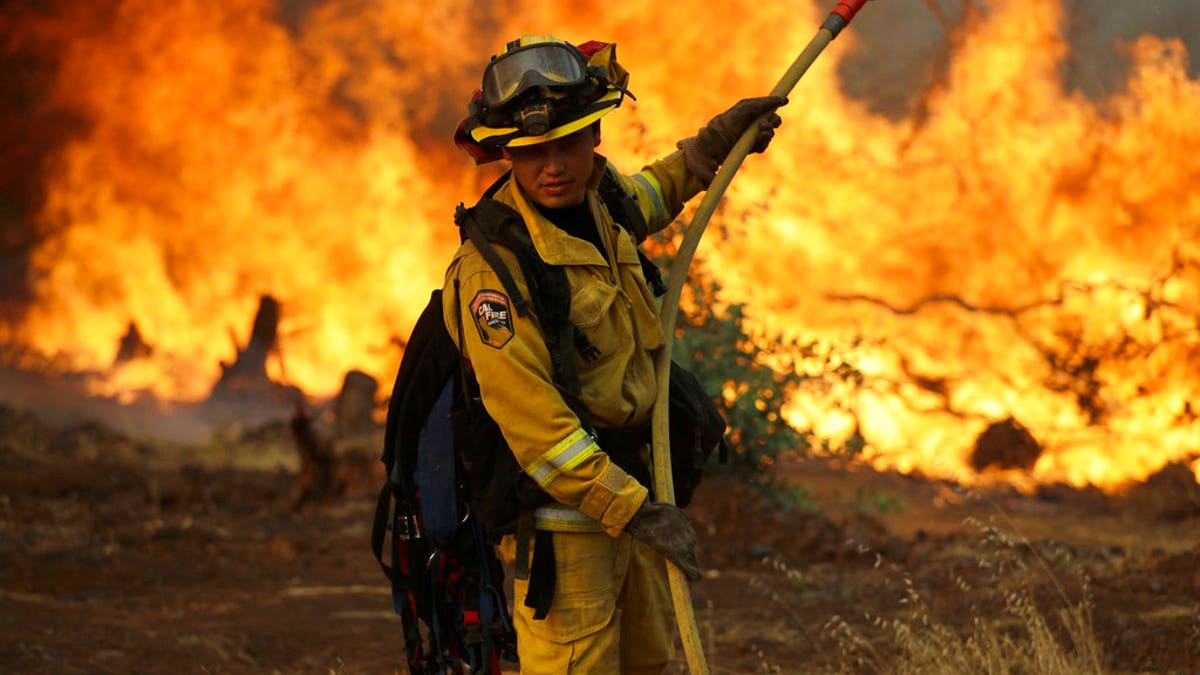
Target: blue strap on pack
(436,472)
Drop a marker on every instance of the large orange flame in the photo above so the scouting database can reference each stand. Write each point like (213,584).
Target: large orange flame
(1012,250)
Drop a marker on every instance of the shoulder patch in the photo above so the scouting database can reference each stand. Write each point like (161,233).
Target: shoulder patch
(492,317)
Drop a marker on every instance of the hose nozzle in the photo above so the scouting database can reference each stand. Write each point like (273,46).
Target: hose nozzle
(841,15)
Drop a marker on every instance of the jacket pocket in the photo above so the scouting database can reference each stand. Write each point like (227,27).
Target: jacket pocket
(591,311)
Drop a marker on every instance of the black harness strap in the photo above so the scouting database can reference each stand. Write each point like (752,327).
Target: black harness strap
(468,222)
(542,575)
(624,210)
(525,529)
(623,207)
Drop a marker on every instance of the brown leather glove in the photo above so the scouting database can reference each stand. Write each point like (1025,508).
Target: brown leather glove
(666,529)
(705,151)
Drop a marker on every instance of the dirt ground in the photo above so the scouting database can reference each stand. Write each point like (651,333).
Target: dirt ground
(123,557)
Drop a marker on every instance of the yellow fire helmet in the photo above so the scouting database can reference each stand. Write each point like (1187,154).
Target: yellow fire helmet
(539,89)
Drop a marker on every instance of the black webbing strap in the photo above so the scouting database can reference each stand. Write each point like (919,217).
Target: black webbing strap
(550,294)
(569,368)
(624,210)
(468,221)
(542,576)
(525,527)
(379,528)
(623,207)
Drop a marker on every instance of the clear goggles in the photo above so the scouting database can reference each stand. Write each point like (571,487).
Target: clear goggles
(544,64)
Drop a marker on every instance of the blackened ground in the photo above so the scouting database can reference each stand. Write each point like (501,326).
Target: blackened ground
(119,558)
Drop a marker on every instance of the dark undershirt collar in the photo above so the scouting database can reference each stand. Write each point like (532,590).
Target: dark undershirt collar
(575,220)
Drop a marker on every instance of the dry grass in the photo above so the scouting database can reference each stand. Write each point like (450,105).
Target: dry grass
(1022,621)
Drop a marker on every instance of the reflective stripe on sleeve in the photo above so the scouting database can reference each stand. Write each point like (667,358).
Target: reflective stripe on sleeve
(568,453)
(657,202)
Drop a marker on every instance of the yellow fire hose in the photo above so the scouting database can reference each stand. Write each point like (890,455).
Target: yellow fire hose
(664,488)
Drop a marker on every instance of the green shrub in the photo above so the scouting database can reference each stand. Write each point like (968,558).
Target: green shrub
(732,362)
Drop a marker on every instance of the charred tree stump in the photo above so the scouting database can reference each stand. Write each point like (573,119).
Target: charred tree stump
(249,369)
(1006,445)
(317,481)
(132,346)
(354,407)
(244,391)
(358,437)
(329,466)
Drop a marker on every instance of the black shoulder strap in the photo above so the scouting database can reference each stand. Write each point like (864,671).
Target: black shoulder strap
(550,293)
(623,207)
(482,229)
(624,210)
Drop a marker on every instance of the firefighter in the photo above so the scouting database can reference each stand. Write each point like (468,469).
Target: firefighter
(604,605)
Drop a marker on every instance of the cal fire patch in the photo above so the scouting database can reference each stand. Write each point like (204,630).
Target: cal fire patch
(492,318)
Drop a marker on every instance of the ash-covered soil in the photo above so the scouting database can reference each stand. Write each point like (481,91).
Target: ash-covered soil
(127,557)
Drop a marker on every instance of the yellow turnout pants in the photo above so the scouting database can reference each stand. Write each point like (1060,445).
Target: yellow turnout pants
(611,611)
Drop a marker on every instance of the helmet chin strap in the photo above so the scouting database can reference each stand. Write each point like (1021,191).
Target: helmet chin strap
(598,74)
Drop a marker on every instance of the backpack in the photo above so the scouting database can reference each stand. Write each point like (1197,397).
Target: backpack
(453,487)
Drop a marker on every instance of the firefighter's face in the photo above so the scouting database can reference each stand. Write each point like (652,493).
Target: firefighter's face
(555,173)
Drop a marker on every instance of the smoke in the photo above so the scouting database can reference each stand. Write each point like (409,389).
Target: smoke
(31,131)
(901,47)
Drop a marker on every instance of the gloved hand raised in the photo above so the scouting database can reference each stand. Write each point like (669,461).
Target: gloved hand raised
(666,529)
(707,150)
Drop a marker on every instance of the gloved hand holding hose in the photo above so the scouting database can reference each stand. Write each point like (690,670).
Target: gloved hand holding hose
(706,151)
(666,529)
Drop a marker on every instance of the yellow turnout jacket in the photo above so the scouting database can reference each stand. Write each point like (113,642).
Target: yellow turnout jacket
(611,302)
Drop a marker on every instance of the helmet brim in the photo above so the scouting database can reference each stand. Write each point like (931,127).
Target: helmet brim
(483,136)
